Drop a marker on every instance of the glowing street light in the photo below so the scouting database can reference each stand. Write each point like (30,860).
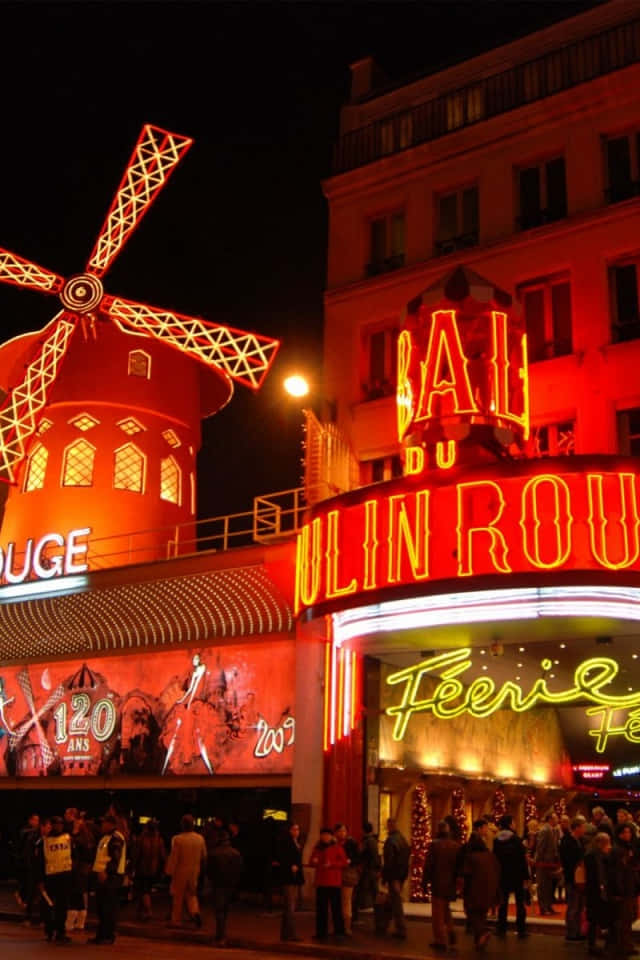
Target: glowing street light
(296,385)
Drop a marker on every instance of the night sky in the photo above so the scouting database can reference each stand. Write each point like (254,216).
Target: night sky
(239,235)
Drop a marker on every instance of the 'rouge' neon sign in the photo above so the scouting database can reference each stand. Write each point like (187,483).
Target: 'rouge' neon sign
(480,698)
(51,556)
(531,521)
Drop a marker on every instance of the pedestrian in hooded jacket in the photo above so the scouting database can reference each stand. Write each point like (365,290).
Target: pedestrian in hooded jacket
(329,860)
(289,854)
(511,855)
(440,872)
(481,873)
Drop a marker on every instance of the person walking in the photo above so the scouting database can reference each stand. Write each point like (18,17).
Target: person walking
(622,890)
(510,852)
(350,874)
(440,872)
(369,858)
(289,856)
(547,862)
(82,851)
(395,870)
(597,892)
(328,858)
(56,879)
(28,866)
(571,852)
(481,874)
(225,865)
(187,859)
(150,859)
(109,868)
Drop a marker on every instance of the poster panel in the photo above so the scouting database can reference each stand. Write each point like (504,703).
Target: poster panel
(220,710)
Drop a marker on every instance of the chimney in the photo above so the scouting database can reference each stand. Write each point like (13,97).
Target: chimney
(365,75)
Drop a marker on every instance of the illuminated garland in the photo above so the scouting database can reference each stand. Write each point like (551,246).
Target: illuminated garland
(421,837)
(457,809)
(530,808)
(499,805)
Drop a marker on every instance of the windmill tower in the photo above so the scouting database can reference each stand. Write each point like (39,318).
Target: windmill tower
(101,423)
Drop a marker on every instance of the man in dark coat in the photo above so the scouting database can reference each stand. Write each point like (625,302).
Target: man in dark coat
(622,886)
(395,870)
(440,871)
(481,874)
(571,854)
(599,913)
(289,859)
(225,870)
(510,853)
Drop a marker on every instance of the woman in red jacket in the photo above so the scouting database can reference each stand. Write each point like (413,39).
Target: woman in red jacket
(329,860)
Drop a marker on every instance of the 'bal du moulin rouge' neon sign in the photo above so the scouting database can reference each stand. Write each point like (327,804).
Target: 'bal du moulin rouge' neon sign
(497,522)
(53,555)
(450,698)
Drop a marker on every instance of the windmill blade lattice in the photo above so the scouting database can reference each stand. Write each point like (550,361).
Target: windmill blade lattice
(245,357)
(25,273)
(155,156)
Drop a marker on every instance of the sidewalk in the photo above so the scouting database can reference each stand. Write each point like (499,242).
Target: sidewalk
(250,928)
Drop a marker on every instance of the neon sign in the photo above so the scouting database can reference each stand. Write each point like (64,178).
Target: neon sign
(460,372)
(451,698)
(51,556)
(531,521)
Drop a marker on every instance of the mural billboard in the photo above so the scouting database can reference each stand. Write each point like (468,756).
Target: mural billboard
(219,710)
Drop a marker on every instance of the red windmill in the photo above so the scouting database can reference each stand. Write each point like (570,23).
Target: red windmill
(107,439)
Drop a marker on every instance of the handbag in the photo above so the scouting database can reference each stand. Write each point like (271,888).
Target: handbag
(580,875)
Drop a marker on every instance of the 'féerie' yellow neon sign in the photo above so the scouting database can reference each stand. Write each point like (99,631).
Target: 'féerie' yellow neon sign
(481,698)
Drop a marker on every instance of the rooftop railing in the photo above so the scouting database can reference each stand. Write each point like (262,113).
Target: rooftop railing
(559,70)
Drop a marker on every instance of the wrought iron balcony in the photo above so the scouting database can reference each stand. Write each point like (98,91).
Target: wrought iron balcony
(558,70)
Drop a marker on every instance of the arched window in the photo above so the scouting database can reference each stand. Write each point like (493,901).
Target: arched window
(139,364)
(170,480)
(129,468)
(77,465)
(36,468)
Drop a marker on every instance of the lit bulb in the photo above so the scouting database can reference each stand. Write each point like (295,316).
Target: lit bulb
(521,649)
(485,667)
(483,652)
(296,386)
(519,665)
(563,646)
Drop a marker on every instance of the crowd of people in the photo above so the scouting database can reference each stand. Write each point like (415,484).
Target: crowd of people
(592,864)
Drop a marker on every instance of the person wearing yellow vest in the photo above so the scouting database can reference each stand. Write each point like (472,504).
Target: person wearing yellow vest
(108,871)
(56,880)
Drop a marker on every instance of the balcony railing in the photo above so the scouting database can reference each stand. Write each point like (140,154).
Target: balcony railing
(561,69)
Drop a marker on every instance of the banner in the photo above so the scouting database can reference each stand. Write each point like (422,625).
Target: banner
(224,710)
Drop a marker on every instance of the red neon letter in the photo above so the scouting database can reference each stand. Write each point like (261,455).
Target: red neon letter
(501,362)
(415,543)
(308,564)
(617,524)
(404,394)
(370,544)
(333,556)
(558,513)
(444,369)
(493,500)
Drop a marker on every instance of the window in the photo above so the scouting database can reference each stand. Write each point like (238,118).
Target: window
(386,244)
(77,464)
(84,422)
(43,426)
(628,423)
(622,161)
(623,290)
(139,364)
(554,439)
(547,312)
(130,426)
(457,221)
(382,468)
(381,359)
(36,468)
(465,106)
(192,491)
(543,193)
(171,437)
(170,477)
(129,469)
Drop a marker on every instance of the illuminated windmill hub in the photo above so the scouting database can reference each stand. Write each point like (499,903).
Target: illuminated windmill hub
(82,293)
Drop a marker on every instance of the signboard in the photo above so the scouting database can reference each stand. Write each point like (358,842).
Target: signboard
(226,710)
(529,517)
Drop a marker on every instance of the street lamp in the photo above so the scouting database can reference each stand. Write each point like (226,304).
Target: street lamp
(296,385)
